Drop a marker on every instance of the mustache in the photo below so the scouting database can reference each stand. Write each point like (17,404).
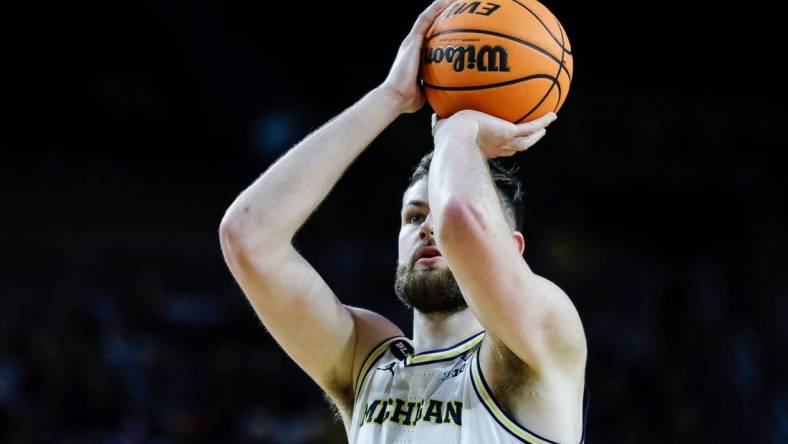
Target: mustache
(428,243)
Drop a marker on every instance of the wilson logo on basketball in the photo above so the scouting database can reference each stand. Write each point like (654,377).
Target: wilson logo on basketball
(487,58)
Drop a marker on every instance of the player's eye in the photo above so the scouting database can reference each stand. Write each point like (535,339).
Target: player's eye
(415,218)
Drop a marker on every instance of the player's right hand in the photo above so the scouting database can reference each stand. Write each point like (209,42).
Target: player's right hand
(494,136)
(404,74)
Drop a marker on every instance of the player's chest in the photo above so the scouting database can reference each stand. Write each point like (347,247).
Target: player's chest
(401,399)
(417,381)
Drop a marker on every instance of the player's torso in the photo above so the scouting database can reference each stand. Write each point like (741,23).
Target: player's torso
(437,397)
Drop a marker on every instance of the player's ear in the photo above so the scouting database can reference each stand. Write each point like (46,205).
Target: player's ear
(518,237)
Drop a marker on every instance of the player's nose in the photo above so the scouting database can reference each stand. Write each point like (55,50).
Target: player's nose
(425,230)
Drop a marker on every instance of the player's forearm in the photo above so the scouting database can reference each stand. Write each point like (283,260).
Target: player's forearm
(279,202)
(459,174)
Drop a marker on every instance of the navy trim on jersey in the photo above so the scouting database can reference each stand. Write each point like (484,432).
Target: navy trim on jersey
(450,358)
(493,414)
(498,404)
(360,382)
(442,350)
(450,347)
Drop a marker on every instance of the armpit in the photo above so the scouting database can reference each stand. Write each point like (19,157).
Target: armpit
(513,382)
(339,396)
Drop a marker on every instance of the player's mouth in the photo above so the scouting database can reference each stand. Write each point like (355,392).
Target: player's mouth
(429,260)
(428,255)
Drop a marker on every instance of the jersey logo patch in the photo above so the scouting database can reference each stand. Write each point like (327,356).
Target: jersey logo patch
(454,372)
(389,368)
(401,349)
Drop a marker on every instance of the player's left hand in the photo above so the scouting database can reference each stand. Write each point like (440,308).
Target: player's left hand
(404,73)
(495,137)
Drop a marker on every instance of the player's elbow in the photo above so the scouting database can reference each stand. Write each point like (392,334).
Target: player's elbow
(228,235)
(232,240)
(237,238)
(245,241)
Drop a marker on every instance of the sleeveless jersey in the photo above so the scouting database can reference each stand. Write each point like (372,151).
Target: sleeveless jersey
(435,397)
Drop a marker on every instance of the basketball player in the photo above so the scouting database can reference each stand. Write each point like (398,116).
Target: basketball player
(498,353)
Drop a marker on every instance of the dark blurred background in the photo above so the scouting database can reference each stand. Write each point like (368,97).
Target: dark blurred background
(657,201)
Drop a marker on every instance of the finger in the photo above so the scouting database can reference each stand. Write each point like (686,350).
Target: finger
(519,144)
(428,16)
(434,122)
(525,129)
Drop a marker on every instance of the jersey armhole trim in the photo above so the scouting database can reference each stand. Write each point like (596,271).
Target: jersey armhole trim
(492,406)
(374,355)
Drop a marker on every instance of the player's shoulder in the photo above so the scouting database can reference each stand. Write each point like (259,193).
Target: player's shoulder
(372,324)
(371,329)
(373,332)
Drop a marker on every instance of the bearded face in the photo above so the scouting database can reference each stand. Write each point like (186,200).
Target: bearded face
(430,289)
(423,280)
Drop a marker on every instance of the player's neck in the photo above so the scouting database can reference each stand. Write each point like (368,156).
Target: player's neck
(432,332)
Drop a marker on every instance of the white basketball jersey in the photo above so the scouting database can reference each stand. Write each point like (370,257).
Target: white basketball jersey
(435,397)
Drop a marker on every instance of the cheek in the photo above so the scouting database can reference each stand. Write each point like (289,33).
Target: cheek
(405,243)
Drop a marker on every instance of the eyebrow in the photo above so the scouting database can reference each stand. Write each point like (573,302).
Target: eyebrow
(416,203)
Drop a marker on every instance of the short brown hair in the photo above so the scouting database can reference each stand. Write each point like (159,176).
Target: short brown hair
(507,184)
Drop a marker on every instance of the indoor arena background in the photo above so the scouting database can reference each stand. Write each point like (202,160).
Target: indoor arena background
(656,201)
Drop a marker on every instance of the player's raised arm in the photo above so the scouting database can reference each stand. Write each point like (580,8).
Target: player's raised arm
(525,315)
(294,303)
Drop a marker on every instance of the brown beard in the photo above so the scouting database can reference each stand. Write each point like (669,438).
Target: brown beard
(430,290)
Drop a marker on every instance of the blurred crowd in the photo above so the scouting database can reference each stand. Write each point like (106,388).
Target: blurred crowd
(117,346)
(656,201)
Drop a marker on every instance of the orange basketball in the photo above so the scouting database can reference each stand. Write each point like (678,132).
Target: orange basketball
(508,58)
